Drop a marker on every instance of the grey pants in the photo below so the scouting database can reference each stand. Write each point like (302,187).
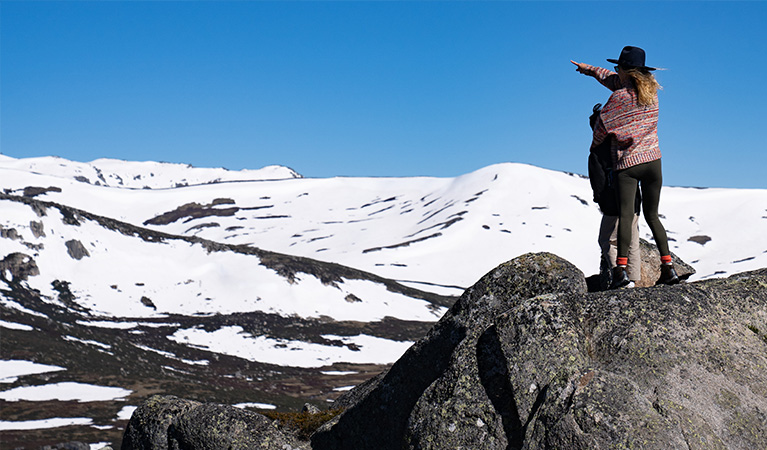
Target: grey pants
(608,243)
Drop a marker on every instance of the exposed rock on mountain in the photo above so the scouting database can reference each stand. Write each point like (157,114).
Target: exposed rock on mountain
(194,211)
(526,359)
(19,266)
(34,191)
(76,249)
(37,228)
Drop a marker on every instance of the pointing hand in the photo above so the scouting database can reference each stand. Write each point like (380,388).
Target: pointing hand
(581,67)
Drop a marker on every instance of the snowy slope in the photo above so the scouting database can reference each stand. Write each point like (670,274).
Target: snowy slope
(429,231)
(119,268)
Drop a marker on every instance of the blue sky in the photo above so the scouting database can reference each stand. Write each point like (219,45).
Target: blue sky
(376,88)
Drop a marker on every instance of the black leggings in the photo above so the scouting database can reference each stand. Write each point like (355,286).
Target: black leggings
(650,177)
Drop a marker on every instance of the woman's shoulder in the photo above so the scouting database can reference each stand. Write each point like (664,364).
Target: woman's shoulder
(623,95)
(623,92)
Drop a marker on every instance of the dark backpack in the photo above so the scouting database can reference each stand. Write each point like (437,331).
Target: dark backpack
(601,174)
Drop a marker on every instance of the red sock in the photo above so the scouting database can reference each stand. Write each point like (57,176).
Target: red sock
(665,259)
(623,262)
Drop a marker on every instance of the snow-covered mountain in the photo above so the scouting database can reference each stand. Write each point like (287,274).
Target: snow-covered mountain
(139,175)
(263,277)
(429,231)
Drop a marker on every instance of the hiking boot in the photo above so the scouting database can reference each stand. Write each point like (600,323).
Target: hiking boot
(668,275)
(620,278)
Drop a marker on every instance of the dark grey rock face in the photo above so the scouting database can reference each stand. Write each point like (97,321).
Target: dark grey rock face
(426,385)
(219,427)
(527,360)
(148,426)
(76,249)
(38,229)
(657,368)
(19,266)
(171,423)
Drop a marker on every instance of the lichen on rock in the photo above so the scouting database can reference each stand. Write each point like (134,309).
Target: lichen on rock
(171,423)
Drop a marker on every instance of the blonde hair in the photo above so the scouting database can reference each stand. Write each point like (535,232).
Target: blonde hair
(646,85)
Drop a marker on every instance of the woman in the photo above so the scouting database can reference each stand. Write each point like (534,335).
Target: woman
(630,117)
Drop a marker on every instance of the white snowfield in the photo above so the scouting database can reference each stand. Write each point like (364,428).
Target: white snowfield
(65,391)
(430,231)
(183,278)
(436,234)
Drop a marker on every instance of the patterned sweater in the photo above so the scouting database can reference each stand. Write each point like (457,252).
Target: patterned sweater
(634,127)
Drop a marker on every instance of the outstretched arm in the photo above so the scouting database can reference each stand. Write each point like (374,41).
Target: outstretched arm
(608,78)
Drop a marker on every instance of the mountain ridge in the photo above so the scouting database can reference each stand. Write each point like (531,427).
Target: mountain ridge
(140,174)
(518,208)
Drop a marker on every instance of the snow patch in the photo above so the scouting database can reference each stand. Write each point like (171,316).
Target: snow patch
(65,391)
(126,412)
(44,423)
(12,369)
(234,341)
(255,405)
(15,326)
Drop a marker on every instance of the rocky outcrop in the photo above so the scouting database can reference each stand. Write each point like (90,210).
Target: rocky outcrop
(38,229)
(167,422)
(34,191)
(9,233)
(195,211)
(526,360)
(441,371)
(148,426)
(651,265)
(18,267)
(76,249)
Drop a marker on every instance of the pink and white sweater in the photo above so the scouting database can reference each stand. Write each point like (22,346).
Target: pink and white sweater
(634,127)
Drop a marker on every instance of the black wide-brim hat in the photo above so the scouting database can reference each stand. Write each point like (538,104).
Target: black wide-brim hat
(631,57)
